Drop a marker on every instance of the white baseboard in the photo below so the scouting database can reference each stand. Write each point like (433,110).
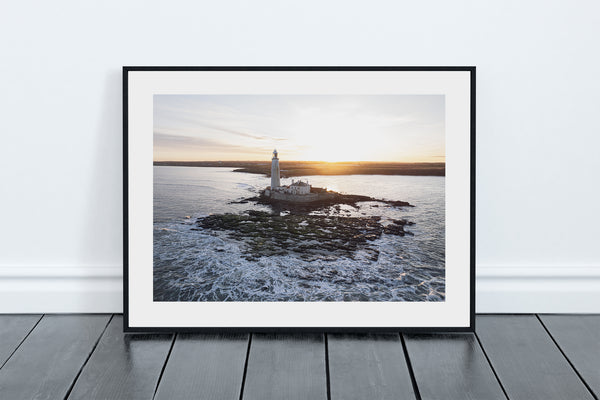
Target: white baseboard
(50,289)
(538,289)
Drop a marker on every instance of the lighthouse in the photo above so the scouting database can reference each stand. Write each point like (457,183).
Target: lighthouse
(275,171)
(296,192)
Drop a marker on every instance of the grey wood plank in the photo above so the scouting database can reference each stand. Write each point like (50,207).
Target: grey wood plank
(286,366)
(579,338)
(46,364)
(526,360)
(451,366)
(207,366)
(123,366)
(13,329)
(368,366)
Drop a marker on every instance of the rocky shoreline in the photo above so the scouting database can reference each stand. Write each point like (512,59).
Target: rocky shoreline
(294,227)
(334,199)
(310,237)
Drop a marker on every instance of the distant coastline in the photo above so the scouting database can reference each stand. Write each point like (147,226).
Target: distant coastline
(303,168)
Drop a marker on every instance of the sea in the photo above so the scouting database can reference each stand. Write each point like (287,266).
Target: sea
(196,264)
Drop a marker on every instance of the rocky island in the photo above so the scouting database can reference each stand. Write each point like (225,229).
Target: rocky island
(306,221)
(308,236)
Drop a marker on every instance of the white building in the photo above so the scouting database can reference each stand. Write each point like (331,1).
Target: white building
(298,187)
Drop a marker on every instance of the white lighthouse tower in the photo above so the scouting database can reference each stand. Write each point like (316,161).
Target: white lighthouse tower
(275,183)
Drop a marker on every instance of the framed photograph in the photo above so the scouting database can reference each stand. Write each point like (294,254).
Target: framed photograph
(299,198)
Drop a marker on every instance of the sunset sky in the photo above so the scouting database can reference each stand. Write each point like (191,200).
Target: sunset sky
(398,128)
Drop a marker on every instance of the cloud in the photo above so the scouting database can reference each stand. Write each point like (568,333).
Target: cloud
(170,140)
(243,134)
(203,148)
(193,118)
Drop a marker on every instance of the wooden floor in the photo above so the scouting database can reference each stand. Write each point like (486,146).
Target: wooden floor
(510,356)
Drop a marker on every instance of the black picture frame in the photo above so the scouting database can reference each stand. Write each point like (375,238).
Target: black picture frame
(127,70)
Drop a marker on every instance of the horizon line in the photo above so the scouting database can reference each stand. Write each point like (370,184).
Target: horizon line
(319,161)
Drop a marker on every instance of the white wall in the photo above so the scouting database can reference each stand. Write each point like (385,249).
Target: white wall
(538,127)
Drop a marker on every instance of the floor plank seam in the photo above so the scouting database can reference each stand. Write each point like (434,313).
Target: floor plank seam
(491,366)
(567,358)
(88,358)
(411,372)
(162,371)
(21,342)
(327,374)
(246,366)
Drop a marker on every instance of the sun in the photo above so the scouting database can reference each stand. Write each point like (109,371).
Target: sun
(332,150)
(332,138)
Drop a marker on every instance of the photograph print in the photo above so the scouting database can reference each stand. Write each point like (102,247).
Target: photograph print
(261,199)
(299,198)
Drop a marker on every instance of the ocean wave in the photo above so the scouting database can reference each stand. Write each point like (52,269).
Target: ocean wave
(195,264)
(206,266)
